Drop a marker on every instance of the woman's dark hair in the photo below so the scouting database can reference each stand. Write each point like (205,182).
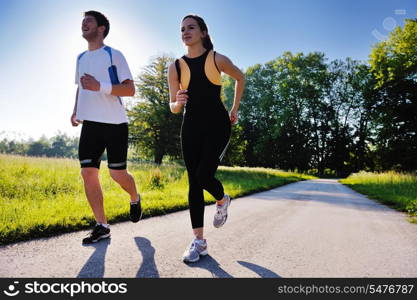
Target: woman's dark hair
(203,27)
(100,19)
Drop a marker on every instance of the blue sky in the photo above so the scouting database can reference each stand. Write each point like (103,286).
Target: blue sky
(40,39)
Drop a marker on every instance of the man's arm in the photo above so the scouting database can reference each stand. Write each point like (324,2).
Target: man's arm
(124,89)
(74,120)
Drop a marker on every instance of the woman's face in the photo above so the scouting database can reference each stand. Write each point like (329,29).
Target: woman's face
(190,32)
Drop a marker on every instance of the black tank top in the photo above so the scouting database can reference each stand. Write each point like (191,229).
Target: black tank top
(203,94)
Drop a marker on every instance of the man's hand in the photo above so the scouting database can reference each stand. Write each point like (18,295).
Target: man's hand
(88,82)
(74,120)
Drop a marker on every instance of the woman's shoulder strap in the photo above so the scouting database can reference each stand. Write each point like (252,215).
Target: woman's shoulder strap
(215,63)
(178,68)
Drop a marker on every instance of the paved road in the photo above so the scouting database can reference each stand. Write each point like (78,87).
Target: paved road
(316,228)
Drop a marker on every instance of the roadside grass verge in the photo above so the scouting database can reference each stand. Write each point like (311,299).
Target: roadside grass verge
(41,197)
(397,190)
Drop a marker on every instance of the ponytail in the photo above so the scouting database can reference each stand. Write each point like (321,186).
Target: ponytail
(207,42)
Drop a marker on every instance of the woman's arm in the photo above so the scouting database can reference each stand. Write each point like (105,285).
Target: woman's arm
(177,97)
(226,66)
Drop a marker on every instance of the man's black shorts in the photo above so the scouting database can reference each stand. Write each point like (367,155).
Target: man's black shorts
(96,137)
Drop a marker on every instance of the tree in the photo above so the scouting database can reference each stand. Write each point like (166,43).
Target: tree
(279,98)
(154,130)
(39,148)
(362,81)
(394,66)
(63,146)
(13,147)
(301,81)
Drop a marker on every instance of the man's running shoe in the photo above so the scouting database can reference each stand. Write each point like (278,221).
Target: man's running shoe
(135,211)
(220,216)
(99,232)
(196,249)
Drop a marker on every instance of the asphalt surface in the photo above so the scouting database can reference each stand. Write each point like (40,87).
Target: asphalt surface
(316,228)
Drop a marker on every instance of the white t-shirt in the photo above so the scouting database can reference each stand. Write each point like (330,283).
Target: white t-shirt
(98,106)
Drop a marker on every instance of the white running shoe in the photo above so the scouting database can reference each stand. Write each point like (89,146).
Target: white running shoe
(220,216)
(196,249)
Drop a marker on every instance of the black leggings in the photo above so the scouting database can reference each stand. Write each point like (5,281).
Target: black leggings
(203,149)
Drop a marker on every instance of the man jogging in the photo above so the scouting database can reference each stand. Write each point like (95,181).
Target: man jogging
(102,76)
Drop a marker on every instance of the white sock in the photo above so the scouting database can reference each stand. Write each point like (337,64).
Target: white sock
(137,200)
(104,225)
(223,202)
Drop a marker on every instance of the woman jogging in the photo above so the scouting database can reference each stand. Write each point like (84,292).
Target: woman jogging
(195,85)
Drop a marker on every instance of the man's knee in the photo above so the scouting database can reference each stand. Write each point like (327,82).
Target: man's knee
(119,175)
(89,174)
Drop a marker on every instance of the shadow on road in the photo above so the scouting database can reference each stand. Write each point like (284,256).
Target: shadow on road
(148,268)
(261,271)
(209,263)
(94,267)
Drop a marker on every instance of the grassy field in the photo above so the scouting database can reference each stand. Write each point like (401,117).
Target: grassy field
(391,188)
(42,196)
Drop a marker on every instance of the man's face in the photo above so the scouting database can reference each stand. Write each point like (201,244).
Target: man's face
(89,28)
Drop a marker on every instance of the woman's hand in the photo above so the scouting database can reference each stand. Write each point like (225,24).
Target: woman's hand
(233,116)
(181,98)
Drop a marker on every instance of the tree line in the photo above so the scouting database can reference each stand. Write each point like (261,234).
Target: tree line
(60,145)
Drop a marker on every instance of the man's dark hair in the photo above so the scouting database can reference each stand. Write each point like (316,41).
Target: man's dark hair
(100,19)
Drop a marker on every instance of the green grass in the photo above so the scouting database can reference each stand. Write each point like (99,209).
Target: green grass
(43,196)
(394,189)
